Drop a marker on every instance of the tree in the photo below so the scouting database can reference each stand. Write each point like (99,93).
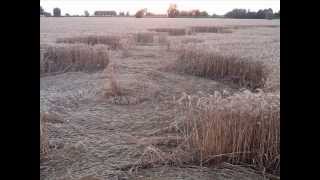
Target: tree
(268,13)
(215,15)
(86,13)
(242,13)
(184,13)
(204,14)
(67,14)
(140,13)
(277,15)
(237,13)
(56,12)
(127,13)
(260,14)
(41,11)
(121,14)
(172,11)
(251,15)
(195,13)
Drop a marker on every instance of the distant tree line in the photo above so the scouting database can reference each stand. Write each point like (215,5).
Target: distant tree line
(277,15)
(141,13)
(105,13)
(244,14)
(56,12)
(192,13)
(173,12)
(44,13)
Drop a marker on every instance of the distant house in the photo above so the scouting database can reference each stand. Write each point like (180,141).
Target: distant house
(105,13)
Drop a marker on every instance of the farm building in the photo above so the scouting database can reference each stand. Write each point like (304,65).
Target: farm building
(105,13)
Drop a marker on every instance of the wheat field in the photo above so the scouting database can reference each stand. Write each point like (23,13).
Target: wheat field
(159,98)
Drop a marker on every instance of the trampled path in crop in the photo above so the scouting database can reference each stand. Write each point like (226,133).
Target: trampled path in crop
(91,134)
(94,135)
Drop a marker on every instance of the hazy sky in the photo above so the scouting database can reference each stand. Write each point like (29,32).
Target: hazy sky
(219,7)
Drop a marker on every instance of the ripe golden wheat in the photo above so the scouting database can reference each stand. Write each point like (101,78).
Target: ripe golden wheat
(243,72)
(244,127)
(210,29)
(144,37)
(61,58)
(113,42)
(171,31)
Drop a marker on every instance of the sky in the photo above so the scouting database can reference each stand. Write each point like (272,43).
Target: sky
(219,7)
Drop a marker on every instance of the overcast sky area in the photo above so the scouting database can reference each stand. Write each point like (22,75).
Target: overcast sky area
(219,7)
